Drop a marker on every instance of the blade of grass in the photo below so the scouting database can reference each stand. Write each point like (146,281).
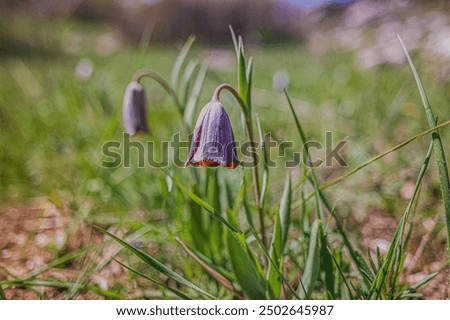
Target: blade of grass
(410,292)
(247,208)
(235,42)
(178,293)
(438,146)
(43,283)
(248,93)
(195,93)
(61,260)
(312,177)
(336,180)
(155,264)
(196,226)
(285,211)
(215,274)
(312,266)
(224,272)
(244,267)
(62,285)
(144,43)
(2,294)
(90,265)
(398,235)
(328,270)
(186,80)
(344,278)
(265,173)
(179,61)
(248,213)
(210,209)
(424,281)
(273,280)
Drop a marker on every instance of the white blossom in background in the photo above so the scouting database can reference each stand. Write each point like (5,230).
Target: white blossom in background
(281,80)
(84,69)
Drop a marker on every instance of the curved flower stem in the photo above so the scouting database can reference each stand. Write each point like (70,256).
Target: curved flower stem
(141,73)
(138,75)
(226,86)
(249,129)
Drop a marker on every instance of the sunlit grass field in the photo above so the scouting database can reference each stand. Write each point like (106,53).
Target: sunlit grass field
(54,123)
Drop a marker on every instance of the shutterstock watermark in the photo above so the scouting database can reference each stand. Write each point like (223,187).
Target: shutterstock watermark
(128,152)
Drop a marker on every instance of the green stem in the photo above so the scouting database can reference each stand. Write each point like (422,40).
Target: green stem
(226,86)
(256,185)
(249,131)
(381,155)
(138,75)
(438,147)
(2,294)
(346,175)
(312,177)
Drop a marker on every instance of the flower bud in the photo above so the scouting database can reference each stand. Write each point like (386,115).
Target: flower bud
(134,110)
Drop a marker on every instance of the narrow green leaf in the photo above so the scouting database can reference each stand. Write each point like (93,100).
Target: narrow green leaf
(242,197)
(178,293)
(371,262)
(205,260)
(312,266)
(228,194)
(42,283)
(144,43)
(275,269)
(196,227)
(155,264)
(380,259)
(327,267)
(344,277)
(205,205)
(438,146)
(186,80)
(191,104)
(340,178)
(411,296)
(285,211)
(424,281)
(242,75)
(361,265)
(307,163)
(297,123)
(249,77)
(265,173)
(179,61)
(2,294)
(235,42)
(90,265)
(221,279)
(244,267)
(63,259)
(389,261)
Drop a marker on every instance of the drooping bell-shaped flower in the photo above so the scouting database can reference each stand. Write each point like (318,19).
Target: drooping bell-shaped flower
(213,142)
(134,110)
